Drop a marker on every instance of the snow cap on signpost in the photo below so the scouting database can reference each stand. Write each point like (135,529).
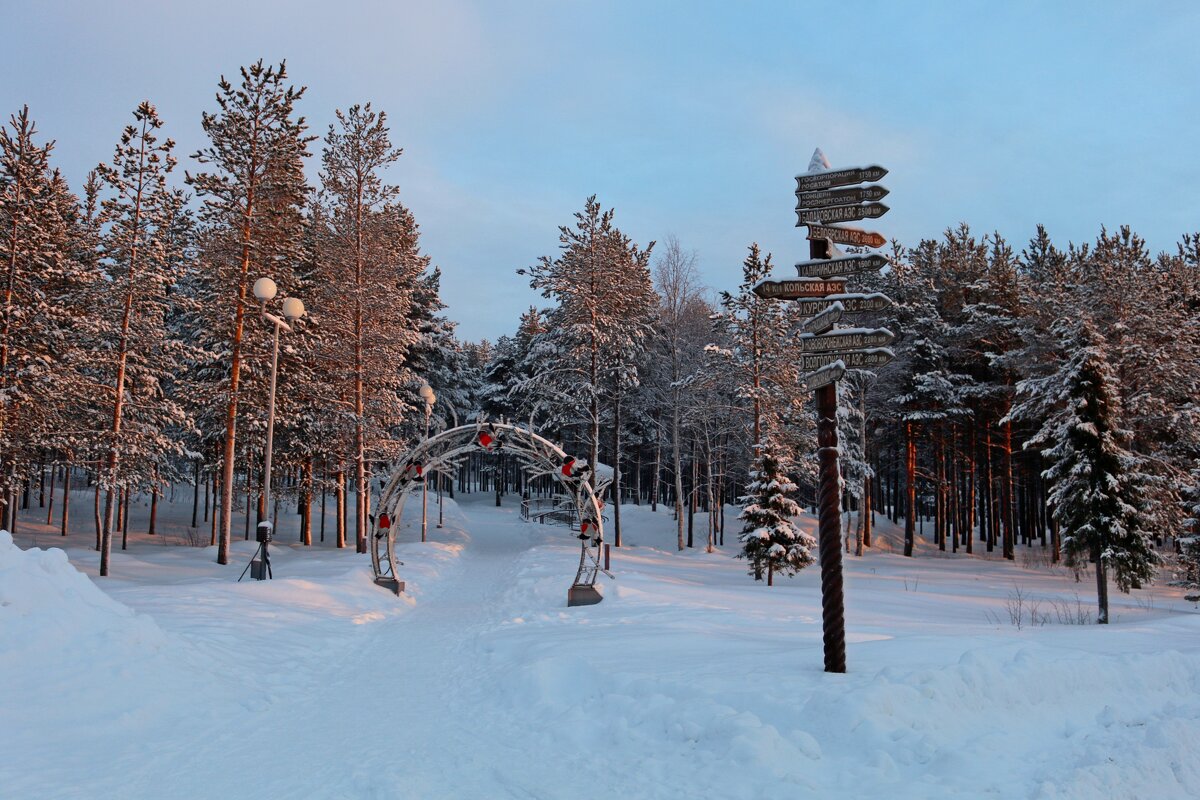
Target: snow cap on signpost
(819,162)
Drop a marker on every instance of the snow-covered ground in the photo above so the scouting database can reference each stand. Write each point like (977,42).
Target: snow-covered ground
(171,680)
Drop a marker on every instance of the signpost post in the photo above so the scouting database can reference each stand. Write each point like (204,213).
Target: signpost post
(827,352)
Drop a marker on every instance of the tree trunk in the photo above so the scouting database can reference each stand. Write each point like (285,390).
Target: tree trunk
(305,494)
(677,457)
(125,520)
(153,504)
(340,495)
(66,501)
(50,505)
(195,491)
(616,465)
(1101,587)
(1006,494)
(657,480)
(96,510)
(910,472)
(986,496)
(969,499)
(691,516)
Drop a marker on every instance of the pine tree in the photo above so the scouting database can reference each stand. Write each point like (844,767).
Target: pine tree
(375,298)
(43,317)
(758,332)
(770,540)
(141,255)
(1096,486)
(601,284)
(252,200)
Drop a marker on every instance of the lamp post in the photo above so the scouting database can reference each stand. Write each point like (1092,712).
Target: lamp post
(426,392)
(293,309)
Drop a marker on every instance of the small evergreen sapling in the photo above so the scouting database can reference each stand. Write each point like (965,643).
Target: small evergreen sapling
(770,541)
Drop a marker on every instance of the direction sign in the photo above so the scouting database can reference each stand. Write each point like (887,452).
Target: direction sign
(810,181)
(841,213)
(853,236)
(823,321)
(840,197)
(849,265)
(824,376)
(796,288)
(851,303)
(855,359)
(845,339)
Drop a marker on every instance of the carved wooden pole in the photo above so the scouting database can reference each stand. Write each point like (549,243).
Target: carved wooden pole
(829,528)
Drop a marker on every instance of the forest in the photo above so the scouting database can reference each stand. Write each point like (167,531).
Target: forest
(1043,396)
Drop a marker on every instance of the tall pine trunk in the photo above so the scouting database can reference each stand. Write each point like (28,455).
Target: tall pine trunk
(66,501)
(910,472)
(616,465)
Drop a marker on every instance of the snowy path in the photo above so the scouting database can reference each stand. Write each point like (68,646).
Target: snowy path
(688,681)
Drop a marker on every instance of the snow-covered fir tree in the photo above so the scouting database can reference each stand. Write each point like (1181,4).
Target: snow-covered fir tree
(600,282)
(1096,487)
(771,542)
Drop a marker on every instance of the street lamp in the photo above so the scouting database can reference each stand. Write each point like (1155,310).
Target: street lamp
(293,309)
(426,392)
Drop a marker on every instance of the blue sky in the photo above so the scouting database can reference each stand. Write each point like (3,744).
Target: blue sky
(689,118)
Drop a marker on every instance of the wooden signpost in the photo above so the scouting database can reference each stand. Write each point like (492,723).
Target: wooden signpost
(824,179)
(827,352)
(853,359)
(847,265)
(824,320)
(841,213)
(797,288)
(824,376)
(840,197)
(850,236)
(845,339)
(851,303)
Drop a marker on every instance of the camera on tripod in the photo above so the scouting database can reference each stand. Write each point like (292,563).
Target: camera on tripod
(260,563)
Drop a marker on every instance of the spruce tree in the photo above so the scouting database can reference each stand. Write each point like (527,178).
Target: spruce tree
(771,542)
(1096,485)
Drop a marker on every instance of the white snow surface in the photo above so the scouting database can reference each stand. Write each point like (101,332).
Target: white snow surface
(690,680)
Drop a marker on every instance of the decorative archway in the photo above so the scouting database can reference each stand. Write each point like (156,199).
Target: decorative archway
(540,457)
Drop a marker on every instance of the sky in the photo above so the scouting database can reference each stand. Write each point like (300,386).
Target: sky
(689,118)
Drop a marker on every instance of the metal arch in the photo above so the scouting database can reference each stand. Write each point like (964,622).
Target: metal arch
(540,457)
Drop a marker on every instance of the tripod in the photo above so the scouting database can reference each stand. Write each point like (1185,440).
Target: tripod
(263,571)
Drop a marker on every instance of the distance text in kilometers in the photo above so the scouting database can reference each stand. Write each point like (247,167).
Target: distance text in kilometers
(855,359)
